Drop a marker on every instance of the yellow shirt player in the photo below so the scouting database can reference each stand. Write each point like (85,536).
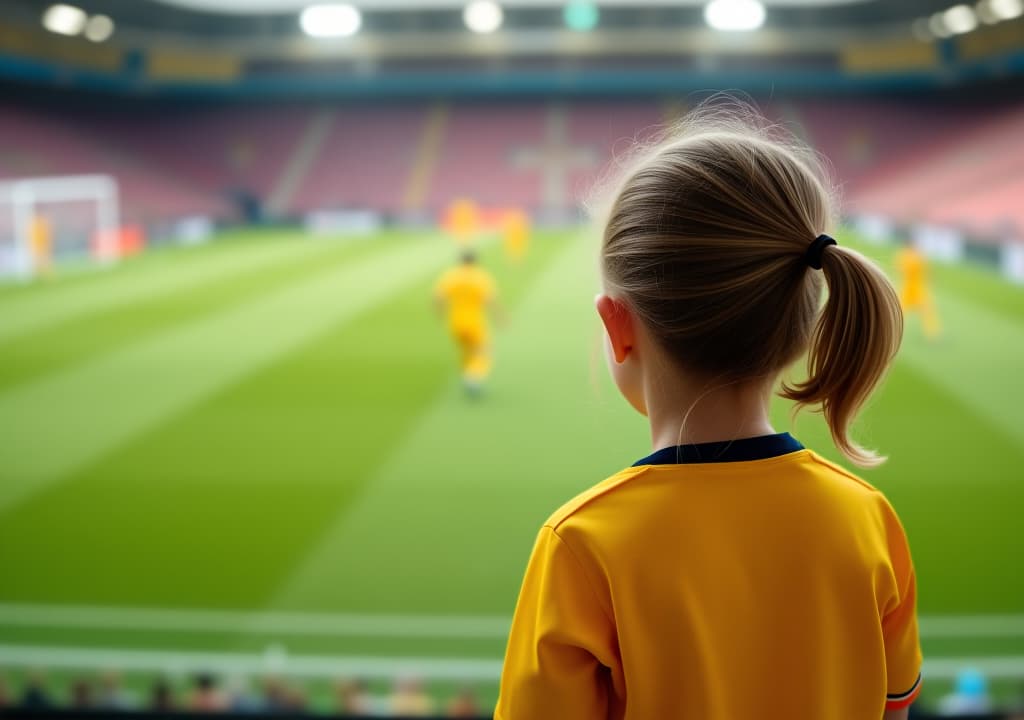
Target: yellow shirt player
(915,295)
(732,574)
(41,243)
(467,293)
(515,233)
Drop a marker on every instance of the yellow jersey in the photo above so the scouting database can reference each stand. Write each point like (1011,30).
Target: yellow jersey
(720,581)
(467,289)
(911,265)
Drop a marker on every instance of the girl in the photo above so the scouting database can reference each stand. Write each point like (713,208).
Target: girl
(732,574)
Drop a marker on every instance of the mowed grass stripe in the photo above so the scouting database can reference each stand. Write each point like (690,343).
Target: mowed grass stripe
(33,307)
(81,337)
(64,421)
(222,501)
(452,514)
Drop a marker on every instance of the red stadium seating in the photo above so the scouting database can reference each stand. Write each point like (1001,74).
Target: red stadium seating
(959,165)
(32,144)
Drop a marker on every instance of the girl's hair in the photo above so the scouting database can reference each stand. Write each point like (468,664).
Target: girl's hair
(706,238)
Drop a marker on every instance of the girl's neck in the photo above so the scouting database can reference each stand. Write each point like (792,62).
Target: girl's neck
(687,413)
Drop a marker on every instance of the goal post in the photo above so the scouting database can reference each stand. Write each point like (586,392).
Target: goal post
(50,220)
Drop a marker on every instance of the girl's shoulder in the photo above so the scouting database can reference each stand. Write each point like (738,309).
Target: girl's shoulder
(592,494)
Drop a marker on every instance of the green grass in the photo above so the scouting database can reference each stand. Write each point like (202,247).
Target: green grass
(272,423)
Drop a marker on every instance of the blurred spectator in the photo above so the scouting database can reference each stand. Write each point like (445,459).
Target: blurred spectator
(161,697)
(112,694)
(969,696)
(464,705)
(353,697)
(5,695)
(410,699)
(82,694)
(275,694)
(36,696)
(206,696)
(240,698)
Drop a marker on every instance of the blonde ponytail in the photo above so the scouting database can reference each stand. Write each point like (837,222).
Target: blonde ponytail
(856,337)
(709,237)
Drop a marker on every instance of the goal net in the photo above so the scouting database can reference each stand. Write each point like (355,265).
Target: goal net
(50,221)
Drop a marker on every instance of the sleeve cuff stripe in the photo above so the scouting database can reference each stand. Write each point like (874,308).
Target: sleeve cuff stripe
(900,700)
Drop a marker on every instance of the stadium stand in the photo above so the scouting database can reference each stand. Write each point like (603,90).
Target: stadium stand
(37,144)
(894,159)
(608,130)
(492,156)
(970,176)
(364,161)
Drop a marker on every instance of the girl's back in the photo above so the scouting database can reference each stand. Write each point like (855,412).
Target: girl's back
(732,574)
(660,573)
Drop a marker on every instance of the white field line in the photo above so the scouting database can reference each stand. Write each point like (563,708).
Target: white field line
(278,662)
(374,625)
(263,623)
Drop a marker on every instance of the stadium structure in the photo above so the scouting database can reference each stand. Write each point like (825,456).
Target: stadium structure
(208,113)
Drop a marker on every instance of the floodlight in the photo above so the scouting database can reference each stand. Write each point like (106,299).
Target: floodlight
(581,15)
(99,28)
(1007,9)
(937,24)
(64,19)
(483,16)
(960,19)
(338,20)
(734,15)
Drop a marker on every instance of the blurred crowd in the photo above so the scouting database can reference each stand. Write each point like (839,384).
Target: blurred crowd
(408,696)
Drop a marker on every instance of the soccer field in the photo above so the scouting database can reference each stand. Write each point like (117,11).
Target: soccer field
(256,453)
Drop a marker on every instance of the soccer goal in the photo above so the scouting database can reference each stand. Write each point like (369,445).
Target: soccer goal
(46,221)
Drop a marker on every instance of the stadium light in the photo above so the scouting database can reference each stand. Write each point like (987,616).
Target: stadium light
(734,15)
(937,24)
(1006,9)
(64,19)
(984,12)
(960,19)
(483,16)
(581,15)
(324,21)
(99,28)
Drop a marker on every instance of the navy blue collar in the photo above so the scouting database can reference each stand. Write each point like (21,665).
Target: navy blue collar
(755,448)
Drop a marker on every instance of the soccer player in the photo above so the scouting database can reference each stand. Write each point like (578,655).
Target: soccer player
(515,234)
(731,573)
(41,243)
(467,293)
(915,295)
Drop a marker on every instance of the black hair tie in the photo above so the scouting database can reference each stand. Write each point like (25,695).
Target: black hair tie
(817,248)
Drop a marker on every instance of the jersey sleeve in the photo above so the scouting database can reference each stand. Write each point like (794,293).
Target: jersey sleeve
(561,643)
(899,625)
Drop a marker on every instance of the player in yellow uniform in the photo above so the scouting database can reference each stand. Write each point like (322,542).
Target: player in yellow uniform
(515,233)
(915,295)
(732,574)
(41,243)
(462,221)
(467,293)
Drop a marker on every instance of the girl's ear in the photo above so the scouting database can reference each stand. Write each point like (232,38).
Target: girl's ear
(619,324)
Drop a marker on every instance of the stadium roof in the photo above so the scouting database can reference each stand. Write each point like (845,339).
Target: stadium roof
(790,24)
(426,46)
(275,6)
